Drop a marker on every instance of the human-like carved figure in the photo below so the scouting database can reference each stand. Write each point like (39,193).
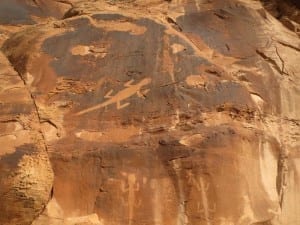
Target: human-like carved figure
(203,206)
(206,212)
(129,90)
(132,187)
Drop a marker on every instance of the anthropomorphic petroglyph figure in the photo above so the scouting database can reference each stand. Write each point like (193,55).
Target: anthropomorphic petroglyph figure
(248,216)
(206,212)
(203,206)
(129,90)
(182,218)
(132,187)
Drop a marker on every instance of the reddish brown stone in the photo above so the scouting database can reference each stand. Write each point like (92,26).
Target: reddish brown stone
(170,112)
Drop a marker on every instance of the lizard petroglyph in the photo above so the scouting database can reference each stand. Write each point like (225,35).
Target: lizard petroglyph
(130,90)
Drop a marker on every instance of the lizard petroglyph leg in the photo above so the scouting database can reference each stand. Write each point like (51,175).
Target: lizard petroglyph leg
(139,94)
(119,106)
(108,94)
(129,83)
(145,92)
(142,94)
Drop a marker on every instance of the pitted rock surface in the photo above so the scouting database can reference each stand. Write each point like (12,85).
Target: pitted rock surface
(26,176)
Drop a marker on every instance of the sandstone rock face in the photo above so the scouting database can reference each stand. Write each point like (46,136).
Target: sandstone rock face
(24,12)
(26,174)
(151,113)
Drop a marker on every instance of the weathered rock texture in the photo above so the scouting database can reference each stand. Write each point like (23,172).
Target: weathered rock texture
(150,112)
(26,176)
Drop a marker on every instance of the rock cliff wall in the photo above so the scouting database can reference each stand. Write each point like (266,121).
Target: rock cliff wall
(180,112)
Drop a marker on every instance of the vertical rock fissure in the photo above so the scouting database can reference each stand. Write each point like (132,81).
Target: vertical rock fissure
(42,136)
(35,107)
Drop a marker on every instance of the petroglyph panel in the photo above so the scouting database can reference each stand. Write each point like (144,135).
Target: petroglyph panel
(151,112)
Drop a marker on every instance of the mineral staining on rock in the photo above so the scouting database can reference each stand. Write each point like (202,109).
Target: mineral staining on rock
(148,112)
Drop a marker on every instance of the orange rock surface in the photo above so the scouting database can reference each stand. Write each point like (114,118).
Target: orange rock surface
(135,112)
